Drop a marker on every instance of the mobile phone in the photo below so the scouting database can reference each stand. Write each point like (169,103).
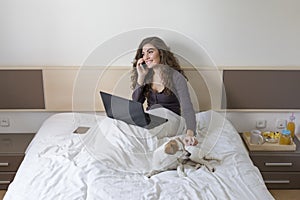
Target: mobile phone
(81,130)
(144,65)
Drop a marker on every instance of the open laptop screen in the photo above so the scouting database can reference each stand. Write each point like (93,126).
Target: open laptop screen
(124,109)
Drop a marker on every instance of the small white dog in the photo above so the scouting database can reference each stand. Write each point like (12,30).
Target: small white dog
(173,155)
(169,156)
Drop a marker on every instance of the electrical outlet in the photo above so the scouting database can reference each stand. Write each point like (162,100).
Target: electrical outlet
(280,123)
(4,122)
(261,123)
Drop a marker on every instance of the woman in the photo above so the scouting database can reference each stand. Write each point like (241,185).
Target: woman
(158,78)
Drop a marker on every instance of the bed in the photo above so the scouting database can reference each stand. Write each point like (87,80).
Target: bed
(110,160)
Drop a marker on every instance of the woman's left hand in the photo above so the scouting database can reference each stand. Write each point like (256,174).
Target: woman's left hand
(190,139)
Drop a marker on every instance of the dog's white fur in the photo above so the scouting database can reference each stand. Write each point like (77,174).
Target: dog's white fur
(198,156)
(174,155)
(169,159)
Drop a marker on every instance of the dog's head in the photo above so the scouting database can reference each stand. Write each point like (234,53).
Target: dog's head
(176,146)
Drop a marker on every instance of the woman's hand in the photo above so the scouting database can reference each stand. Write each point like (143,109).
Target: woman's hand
(190,139)
(142,71)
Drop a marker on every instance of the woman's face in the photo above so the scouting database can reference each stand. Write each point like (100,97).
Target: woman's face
(150,55)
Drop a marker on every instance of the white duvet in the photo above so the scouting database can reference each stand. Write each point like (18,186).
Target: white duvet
(110,160)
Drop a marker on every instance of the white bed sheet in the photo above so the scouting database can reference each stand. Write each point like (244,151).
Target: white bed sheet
(108,162)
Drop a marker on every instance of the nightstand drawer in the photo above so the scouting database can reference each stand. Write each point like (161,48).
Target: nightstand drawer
(10,163)
(282,180)
(276,163)
(5,179)
(15,143)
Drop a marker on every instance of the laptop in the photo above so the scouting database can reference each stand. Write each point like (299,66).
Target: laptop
(131,112)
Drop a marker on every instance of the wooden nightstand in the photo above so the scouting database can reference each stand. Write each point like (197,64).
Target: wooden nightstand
(12,152)
(280,169)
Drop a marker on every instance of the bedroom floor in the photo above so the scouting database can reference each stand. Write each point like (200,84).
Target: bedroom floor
(277,194)
(285,194)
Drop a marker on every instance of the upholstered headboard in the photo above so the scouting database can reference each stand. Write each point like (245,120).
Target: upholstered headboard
(261,89)
(78,88)
(64,88)
(21,89)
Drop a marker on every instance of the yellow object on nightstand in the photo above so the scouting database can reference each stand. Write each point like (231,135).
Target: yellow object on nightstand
(267,146)
(291,125)
(285,137)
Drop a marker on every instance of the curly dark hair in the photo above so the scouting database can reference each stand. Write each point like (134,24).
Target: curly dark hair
(167,60)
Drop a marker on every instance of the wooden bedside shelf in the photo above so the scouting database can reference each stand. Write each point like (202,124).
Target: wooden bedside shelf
(266,146)
(12,152)
(280,169)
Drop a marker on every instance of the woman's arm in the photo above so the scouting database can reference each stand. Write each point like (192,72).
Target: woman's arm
(187,110)
(138,94)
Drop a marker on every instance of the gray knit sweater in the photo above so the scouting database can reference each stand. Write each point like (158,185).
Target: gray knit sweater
(179,101)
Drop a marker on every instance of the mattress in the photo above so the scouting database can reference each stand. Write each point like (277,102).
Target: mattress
(111,159)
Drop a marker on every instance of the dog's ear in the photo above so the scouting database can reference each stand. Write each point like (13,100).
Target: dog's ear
(171,147)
